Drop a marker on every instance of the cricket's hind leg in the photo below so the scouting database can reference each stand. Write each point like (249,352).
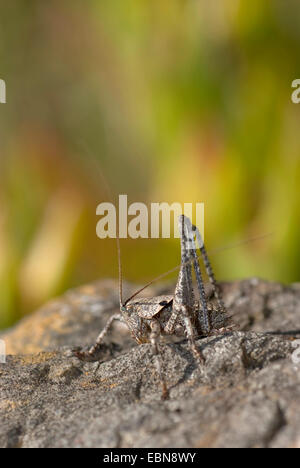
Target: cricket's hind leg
(192,254)
(92,352)
(209,270)
(189,331)
(184,293)
(219,320)
(154,339)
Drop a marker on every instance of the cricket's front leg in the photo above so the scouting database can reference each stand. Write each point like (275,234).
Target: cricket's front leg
(154,338)
(90,353)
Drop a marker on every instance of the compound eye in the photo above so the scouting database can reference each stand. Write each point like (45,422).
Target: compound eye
(163,303)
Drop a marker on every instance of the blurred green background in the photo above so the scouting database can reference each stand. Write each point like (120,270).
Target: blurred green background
(173,100)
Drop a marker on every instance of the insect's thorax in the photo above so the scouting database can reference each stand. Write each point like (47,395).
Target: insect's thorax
(140,313)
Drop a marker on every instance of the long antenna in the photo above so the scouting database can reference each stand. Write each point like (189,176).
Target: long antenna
(210,252)
(110,196)
(119,267)
(239,243)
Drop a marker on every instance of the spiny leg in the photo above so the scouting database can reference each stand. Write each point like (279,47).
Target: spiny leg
(209,269)
(216,290)
(201,290)
(184,293)
(94,349)
(154,338)
(193,256)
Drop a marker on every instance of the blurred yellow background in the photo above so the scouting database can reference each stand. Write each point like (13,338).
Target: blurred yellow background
(173,100)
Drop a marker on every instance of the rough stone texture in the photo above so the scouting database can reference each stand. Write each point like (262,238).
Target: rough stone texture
(247,395)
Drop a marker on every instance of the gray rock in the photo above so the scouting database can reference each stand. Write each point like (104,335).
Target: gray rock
(247,394)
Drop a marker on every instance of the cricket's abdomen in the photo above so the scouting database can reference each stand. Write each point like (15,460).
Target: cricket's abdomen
(217,318)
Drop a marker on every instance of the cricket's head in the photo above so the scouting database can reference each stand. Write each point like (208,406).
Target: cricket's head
(132,320)
(128,308)
(125,310)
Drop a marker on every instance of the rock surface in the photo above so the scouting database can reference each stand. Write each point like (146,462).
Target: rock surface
(247,395)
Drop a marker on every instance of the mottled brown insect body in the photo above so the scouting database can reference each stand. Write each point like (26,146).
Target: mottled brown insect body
(160,308)
(180,314)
